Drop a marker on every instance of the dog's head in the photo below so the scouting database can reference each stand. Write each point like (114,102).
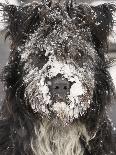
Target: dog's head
(57,62)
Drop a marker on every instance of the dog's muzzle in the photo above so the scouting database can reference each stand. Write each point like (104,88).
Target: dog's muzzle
(59,90)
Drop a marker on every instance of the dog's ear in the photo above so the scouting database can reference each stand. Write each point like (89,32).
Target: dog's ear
(102,22)
(21,20)
(98,18)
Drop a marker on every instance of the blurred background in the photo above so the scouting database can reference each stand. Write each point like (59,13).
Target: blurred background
(4,49)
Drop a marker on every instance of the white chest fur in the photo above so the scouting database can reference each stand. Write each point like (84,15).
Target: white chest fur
(58,140)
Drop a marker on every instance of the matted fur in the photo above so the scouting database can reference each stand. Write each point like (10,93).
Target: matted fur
(50,42)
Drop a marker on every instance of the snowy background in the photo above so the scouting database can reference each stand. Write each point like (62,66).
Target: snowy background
(4,49)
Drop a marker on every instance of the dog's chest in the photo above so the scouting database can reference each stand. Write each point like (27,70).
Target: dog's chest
(57,140)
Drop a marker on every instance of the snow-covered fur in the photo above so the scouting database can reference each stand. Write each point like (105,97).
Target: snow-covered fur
(56,45)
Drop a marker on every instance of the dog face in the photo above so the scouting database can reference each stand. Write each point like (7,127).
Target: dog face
(58,50)
(59,72)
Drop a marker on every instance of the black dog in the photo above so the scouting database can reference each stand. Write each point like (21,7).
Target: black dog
(57,82)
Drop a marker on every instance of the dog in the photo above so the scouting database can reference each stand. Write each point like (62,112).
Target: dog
(56,80)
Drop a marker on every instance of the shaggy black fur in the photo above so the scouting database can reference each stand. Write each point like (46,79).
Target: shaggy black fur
(17,117)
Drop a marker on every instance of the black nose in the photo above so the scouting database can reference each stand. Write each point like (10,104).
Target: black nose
(60,86)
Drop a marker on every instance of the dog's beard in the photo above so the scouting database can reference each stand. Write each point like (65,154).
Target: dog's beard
(38,94)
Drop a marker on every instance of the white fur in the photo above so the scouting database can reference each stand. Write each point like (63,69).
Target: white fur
(58,140)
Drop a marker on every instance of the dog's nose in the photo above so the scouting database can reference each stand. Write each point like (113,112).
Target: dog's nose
(60,86)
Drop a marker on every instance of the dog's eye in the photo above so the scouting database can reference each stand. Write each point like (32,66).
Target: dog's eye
(39,59)
(79,55)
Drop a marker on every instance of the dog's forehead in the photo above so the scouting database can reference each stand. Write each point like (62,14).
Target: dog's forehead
(64,38)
